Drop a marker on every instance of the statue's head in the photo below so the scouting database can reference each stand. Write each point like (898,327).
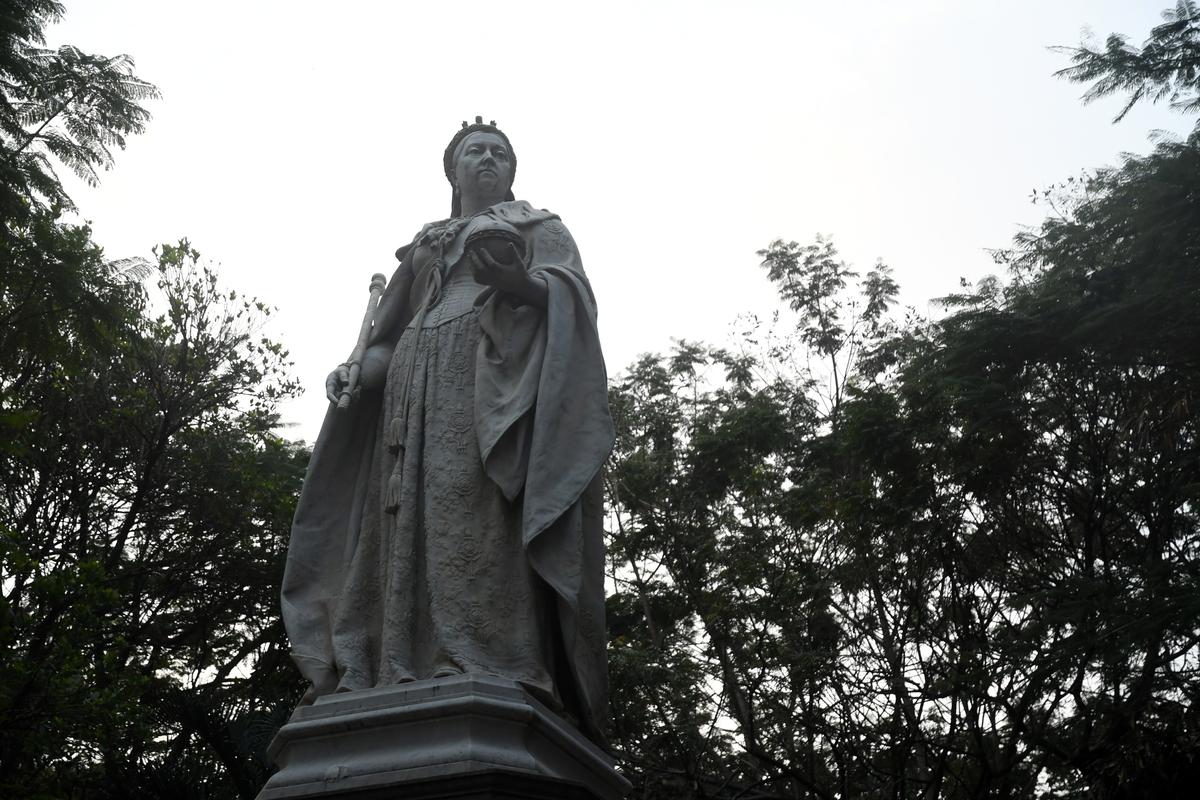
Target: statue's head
(479,159)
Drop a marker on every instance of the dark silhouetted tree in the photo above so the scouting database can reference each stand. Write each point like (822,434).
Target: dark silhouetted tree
(144,498)
(60,105)
(1165,67)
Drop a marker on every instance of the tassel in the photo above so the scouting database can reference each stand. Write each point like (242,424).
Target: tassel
(397,434)
(391,501)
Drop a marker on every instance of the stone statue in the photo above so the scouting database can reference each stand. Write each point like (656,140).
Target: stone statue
(450,520)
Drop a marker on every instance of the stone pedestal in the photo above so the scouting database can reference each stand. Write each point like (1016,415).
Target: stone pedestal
(466,737)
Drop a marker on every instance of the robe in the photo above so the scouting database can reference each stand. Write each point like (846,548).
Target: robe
(452,521)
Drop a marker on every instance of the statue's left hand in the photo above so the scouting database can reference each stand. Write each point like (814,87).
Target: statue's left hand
(511,276)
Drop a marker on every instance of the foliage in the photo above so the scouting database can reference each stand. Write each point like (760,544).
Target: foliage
(812,281)
(1166,67)
(951,559)
(146,503)
(1079,381)
(61,104)
(145,498)
(723,585)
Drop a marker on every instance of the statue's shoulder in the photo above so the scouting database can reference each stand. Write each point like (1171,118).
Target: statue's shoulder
(438,227)
(521,214)
(428,230)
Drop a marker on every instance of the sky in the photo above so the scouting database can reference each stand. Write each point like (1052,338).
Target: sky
(298,144)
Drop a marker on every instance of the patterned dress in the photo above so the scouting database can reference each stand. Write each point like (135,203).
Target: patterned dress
(451,522)
(439,575)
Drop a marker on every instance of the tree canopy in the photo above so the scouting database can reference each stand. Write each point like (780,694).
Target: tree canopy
(1165,67)
(868,557)
(146,497)
(61,105)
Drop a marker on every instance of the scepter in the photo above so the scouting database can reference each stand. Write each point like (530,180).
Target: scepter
(364,334)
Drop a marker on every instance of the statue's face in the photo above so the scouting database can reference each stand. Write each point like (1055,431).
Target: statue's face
(484,166)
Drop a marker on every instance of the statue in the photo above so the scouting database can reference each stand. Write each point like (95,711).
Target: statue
(450,520)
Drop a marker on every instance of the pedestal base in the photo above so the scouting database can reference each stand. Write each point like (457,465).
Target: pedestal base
(466,737)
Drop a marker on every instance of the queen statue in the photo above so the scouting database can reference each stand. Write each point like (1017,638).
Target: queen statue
(450,520)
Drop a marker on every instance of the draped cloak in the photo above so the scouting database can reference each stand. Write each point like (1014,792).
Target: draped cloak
(542,429)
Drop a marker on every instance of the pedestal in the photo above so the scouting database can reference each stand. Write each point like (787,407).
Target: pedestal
(467,737)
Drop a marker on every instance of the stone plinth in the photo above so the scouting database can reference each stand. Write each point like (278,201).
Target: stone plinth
(466,737)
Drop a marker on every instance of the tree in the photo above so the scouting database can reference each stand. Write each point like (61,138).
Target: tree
(146,506)
(1077,379)
(725,588)
(146,498)
(947,559)
(62,104)
(965,568)
(1166,67)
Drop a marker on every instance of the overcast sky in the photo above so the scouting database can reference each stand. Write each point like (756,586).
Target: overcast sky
(298,149)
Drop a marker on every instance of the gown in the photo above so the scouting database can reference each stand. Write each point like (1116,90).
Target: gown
(451,522)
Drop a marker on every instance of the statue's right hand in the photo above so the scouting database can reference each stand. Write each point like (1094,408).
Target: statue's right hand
(336,382)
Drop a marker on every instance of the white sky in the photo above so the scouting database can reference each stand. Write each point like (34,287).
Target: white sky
(299,149)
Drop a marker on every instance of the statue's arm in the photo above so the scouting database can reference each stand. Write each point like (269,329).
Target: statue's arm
(551,246)
(394,310)
(373,372)
(548,244)
(391,316)
(512,277)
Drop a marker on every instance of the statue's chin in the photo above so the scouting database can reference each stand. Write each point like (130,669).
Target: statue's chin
(489,184)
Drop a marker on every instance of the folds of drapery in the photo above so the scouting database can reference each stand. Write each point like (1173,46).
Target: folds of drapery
(541,416)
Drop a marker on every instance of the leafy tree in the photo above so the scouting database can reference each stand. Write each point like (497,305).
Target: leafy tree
(1077,379)
(62,104)
(146,506)
(947,559)
(145,497)
(962,563)
(1165,67)
(722,588)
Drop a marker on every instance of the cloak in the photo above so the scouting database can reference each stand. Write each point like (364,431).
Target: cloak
(542,423)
